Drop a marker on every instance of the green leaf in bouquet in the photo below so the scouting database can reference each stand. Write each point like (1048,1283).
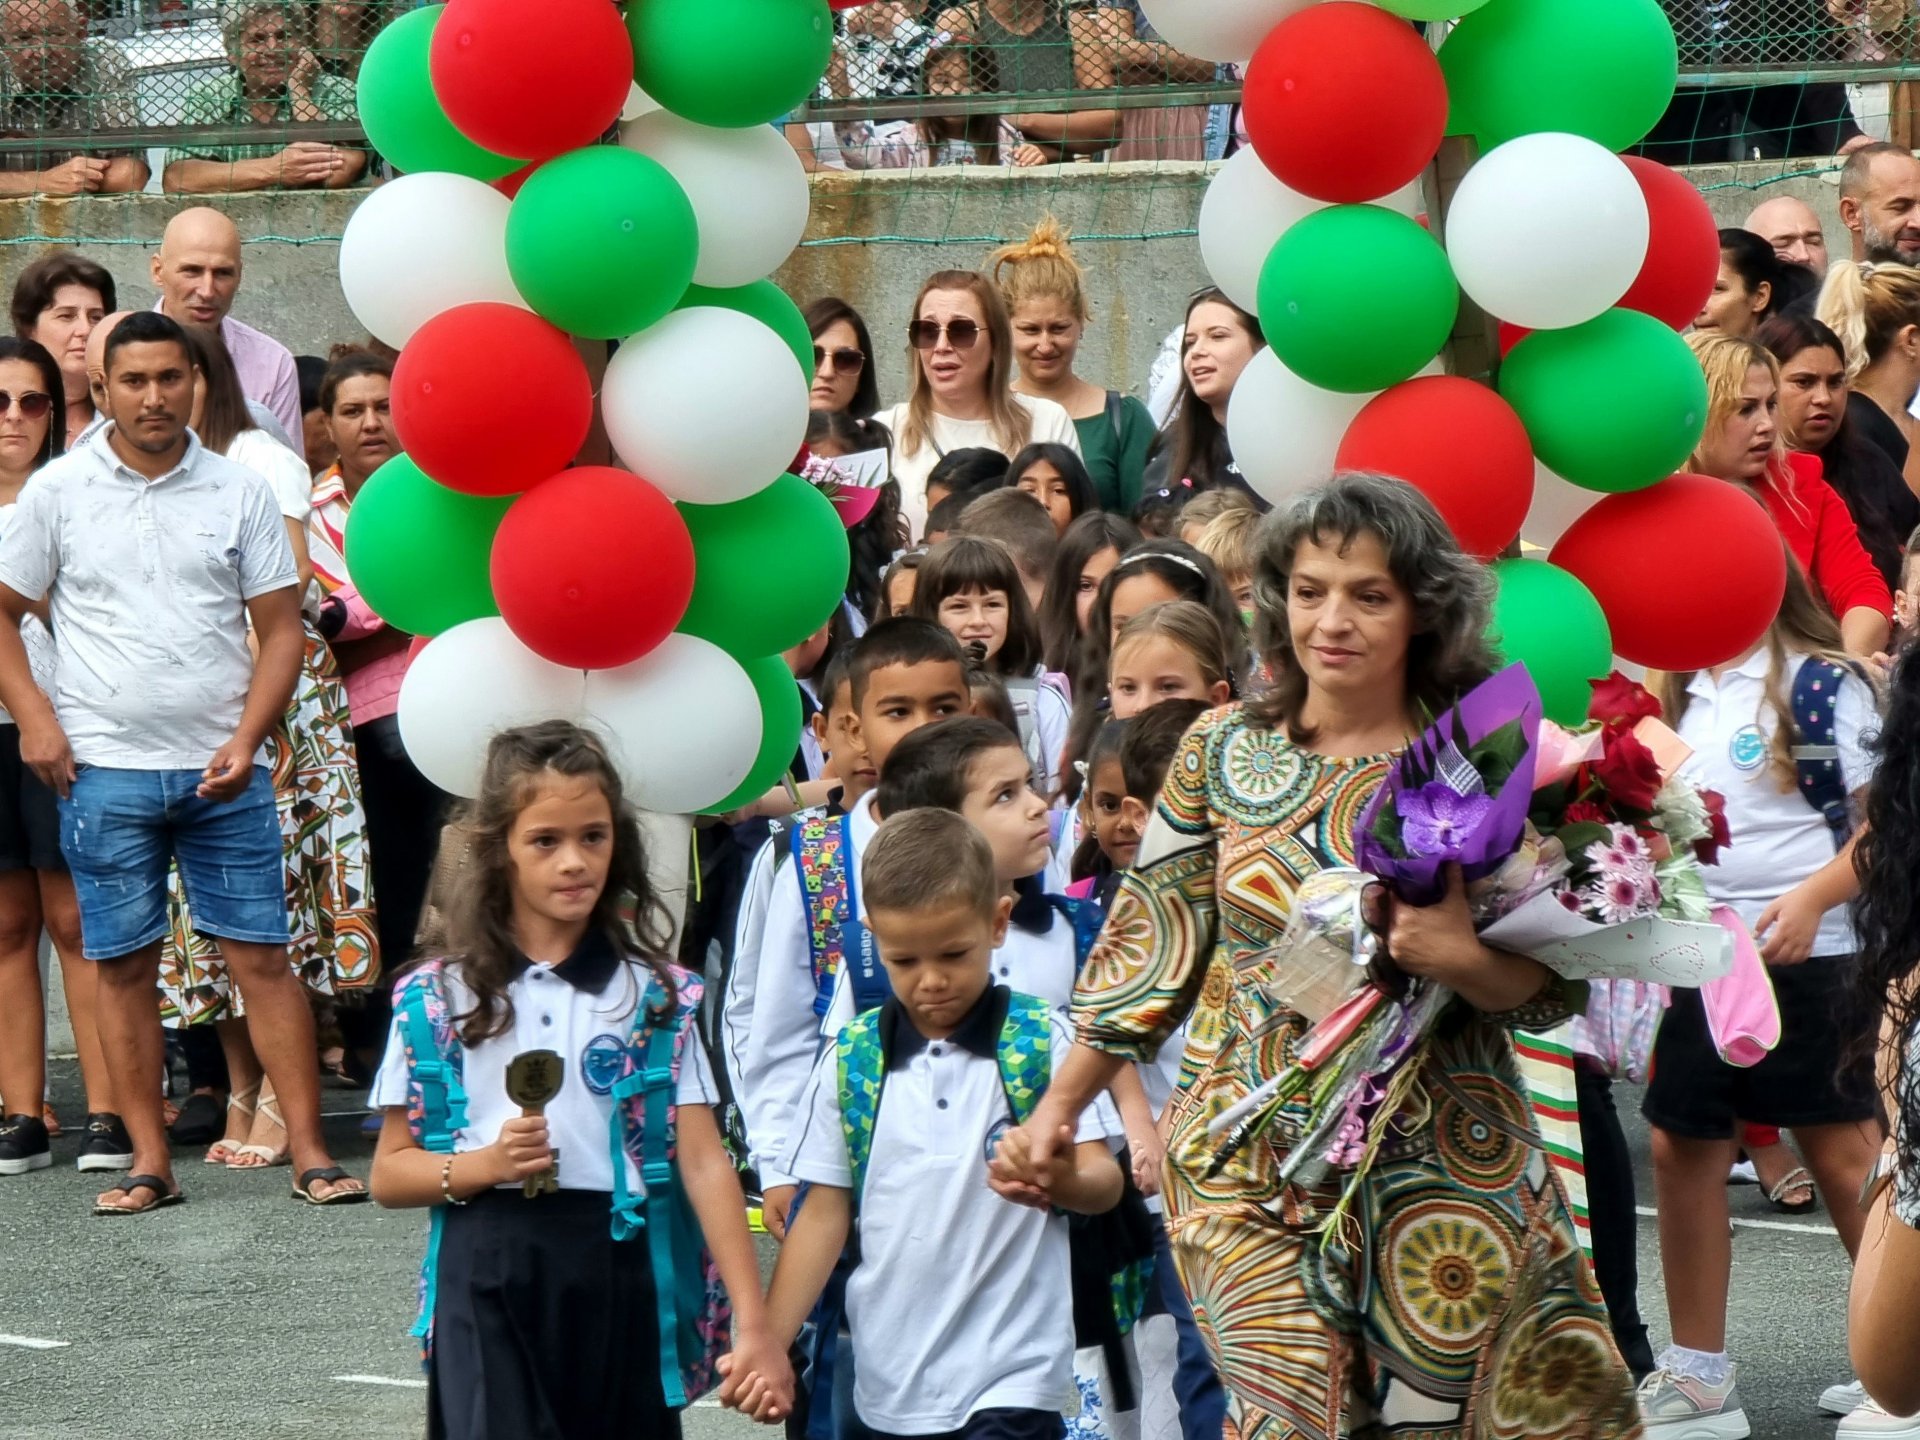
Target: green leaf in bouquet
(1499,754)
(1386,827)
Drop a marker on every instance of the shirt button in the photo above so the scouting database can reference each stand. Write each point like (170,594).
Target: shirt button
(937,1050)
(941,1103)
(546,1019)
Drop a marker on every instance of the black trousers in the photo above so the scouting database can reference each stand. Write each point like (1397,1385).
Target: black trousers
(405,811)
(543,1325)
(1610,1210)
(998,1425)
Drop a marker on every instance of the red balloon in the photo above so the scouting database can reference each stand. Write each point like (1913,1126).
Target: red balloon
(509,185)
(1345,102)
(1683,247)
(593,568)
(1459,444)
(531,81)
(1673,603)
(489,399)
(1511,335)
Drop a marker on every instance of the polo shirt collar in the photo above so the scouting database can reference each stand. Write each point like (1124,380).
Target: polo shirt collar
(862,821)
(588,969)
(101,445)
(978,1032)
(1754,667)
(1033,911)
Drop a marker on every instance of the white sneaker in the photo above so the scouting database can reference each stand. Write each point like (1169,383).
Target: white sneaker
(1843,1399)
(1679,1407)
(1870,1422)
(1743,1173)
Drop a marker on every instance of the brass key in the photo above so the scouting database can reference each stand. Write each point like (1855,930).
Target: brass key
(533,1079)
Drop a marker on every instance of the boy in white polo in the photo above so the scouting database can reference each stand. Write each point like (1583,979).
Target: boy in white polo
(961,1306)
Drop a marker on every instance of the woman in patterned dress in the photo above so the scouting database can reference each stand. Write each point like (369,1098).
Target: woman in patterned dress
(1455,1303)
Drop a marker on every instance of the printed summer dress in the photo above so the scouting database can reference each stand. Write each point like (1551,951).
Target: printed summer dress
(1455,1304)
(323,832)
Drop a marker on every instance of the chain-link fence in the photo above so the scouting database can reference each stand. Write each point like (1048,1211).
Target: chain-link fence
(103,96)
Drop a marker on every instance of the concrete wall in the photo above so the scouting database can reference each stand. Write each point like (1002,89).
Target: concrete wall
(871,246)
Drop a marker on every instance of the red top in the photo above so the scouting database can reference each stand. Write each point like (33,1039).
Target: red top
(1819,529)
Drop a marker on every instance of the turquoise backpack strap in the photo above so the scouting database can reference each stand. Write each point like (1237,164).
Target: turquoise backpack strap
(436,1103)
(821,846)
(863,1072)
(1816,753)
(1025,1054)
(1087,919)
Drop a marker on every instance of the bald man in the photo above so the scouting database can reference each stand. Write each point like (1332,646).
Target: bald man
(197,272)
(97,373)
(1880,204)
(1792,229)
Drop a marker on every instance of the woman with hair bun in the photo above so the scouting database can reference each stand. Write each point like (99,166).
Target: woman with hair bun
(1045,289)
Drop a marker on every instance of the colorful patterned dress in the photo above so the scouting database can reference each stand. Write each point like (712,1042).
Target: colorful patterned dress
(1456,1305)
(334,946)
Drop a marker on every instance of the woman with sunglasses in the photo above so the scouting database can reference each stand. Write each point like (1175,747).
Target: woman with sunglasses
(960,372)
(35,888)
(842,359)
(1192,451)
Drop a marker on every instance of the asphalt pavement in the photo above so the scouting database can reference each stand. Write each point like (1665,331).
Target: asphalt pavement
(244,1314)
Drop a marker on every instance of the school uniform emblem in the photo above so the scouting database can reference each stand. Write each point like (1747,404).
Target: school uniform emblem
(1747,751)
(601,1063)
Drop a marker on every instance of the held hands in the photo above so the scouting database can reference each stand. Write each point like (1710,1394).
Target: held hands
(227,774)
(775,1202)
(756,1378)
(1149,1155)
(1022,1172)
(522,1149)
(1787,927)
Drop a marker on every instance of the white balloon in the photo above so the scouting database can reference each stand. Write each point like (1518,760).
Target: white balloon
(1284,432)
(1547,231)
(1556,505)
(471,683)
(423,244)
(1246,210)
(1218,29)
(683,724)
(695,441)
(748,189)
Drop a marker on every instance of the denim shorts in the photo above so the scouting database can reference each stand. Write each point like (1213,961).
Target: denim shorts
(120,830)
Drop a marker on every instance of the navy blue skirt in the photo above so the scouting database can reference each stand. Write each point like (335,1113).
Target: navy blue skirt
(544,1327)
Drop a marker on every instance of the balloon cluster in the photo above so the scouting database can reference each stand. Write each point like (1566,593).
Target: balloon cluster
(653,601)
(1593,262)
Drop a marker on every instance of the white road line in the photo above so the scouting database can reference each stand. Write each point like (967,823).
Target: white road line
(381,1380)
(1802,1228)
(29,1342)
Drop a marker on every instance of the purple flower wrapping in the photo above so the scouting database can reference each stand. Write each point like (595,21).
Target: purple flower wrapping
(1478,833)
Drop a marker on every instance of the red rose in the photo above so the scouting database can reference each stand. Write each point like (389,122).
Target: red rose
(1582,812)
(1622,702)
(1628,771)
(1707,850)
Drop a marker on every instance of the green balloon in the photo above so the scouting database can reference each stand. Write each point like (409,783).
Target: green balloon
(767,303)
(779,698)
(402,115)
(1517,67)
(1431,9)
(1356,298)
(768,570)
(602,242)
(1615,404)
(730,63)
(1548,620)
(419,552)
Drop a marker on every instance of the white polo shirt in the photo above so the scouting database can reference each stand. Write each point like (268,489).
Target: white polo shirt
(148,582)
(783,1035)
(1778,838)
(962,1301)
(582,1010)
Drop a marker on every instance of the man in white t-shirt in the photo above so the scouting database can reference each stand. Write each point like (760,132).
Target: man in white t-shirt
(152,556)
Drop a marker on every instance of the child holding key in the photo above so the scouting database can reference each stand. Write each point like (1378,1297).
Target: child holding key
(546,1313)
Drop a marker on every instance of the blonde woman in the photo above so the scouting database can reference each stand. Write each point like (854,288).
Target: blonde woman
(1743,444)
(1045,290)
(959,373)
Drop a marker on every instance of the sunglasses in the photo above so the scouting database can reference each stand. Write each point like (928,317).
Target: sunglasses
(846,360)
(34,404)
(925,334)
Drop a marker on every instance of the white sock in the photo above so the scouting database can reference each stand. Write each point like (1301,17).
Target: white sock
(1709,1367)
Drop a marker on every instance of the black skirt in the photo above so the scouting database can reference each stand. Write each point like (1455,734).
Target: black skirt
(544,1327)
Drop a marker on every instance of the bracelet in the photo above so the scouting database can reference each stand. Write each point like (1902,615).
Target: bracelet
(447,1197)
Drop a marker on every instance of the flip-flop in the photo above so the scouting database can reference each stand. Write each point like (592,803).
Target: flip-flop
(303,1189)
(1794,1179)
(165,1194)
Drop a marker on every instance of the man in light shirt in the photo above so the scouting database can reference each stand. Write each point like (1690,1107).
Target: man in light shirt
(155,559)
(197,272)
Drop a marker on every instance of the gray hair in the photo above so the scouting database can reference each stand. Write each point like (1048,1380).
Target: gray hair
(1452,593)
(236,15)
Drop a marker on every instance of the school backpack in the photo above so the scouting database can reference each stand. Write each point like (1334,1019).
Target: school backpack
(829,899)
(1816,753)
(695,1319)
